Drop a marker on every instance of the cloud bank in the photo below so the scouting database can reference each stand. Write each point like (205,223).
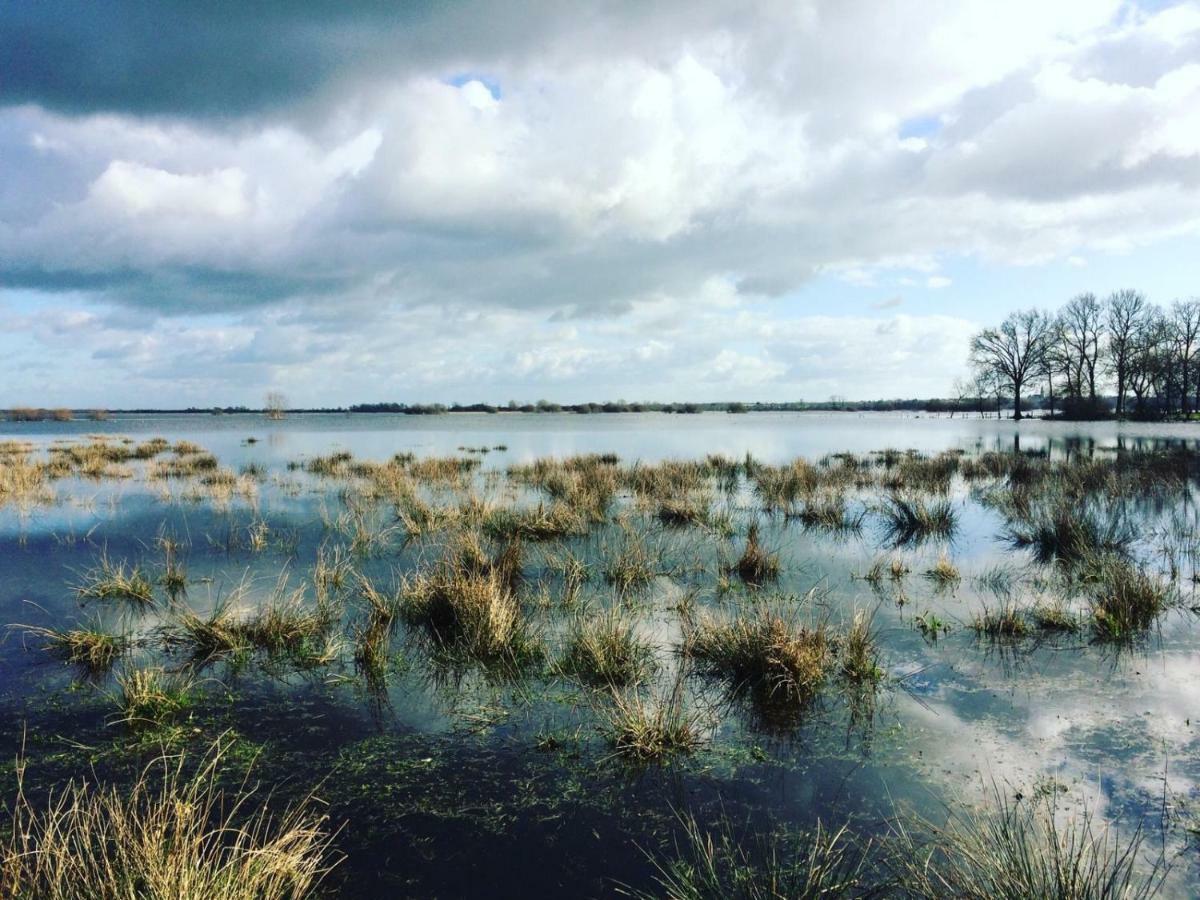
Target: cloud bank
(483,201)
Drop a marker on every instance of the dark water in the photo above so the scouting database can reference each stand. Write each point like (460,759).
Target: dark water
(461,784)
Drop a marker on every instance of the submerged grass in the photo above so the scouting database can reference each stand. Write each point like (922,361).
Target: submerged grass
(93,650)
(713,864)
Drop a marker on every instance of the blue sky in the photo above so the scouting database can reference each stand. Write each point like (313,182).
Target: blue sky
(480,201)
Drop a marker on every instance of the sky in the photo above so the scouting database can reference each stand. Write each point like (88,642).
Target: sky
(201,202)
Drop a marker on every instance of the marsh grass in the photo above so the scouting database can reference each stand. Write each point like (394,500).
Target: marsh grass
(175,834)
(1066,530)
(540,523)
(1001,622)
(109,580)
(651,728)
(1054,617)
(151,698)
(1127,600)
(943,573)
(715,864)
(858,652)
(757,565)
(1022,849)
(206,638)
(773,657)
(467,606)
(829,511)
(913,520)
(606,650)
(92,650)
(633,564)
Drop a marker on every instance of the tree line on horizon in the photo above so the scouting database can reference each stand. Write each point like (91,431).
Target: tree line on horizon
(1147,355)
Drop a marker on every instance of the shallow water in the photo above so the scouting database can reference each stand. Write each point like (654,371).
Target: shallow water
(459,784)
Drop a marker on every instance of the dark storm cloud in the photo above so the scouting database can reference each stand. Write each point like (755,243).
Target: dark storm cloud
(181,58)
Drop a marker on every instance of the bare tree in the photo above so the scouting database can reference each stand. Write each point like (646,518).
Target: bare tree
(275,405)
(1080,327)
(1126,316)
(1185,342)
(1015,352)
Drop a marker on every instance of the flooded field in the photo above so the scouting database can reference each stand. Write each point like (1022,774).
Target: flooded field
(664,655)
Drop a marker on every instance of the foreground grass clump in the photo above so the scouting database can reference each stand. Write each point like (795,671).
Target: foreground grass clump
(606,650)
(173,835)
(714,865)
(757,565)
(1127,601)
(651,729)
(775,658)
(116,581)
(1023,849)
(93,650)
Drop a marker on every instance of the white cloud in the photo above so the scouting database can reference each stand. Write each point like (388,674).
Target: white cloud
(658,182)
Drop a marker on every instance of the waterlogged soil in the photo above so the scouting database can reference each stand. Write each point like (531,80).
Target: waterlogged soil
(447,778)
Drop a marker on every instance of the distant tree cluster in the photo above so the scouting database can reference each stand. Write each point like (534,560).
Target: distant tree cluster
(1145,354)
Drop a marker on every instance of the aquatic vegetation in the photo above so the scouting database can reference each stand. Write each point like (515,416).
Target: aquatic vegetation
(651,728)
(912,520)
(829,511)
(173,834)
(109,580)
(1065,530)
(93,650)
(688,510)
(633,565)
(715,865)
(943,572)
(469,609)
(858,652)
(151,698)
(1021,848)
(756,566)
(207,638)
(1000,622)
(774,657)
(1127,600)
(540,523)
(1054,617)
(606,650)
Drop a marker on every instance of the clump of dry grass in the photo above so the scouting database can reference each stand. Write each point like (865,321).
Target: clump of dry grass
(93,650)
(109,580)
(152,698)
(1127,600)
(467,604)
(756,566)
(173,835)
(943,573)
(606,650)
(1002,622)
(777,659)
(633,566)
(540,523)
(650,729)
(858,652)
